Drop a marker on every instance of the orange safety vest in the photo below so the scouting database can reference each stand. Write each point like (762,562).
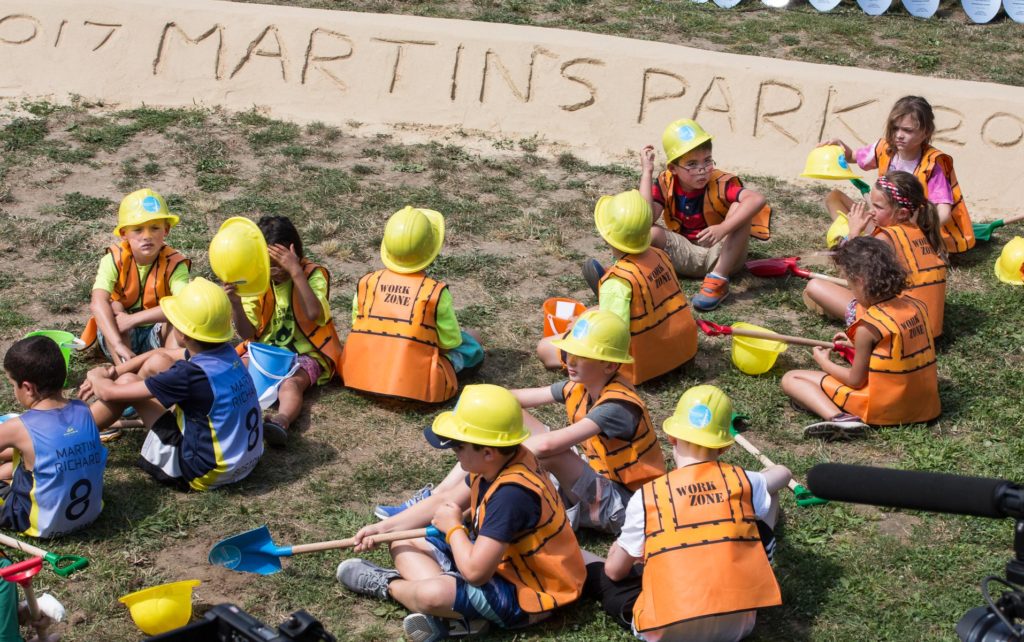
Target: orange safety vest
(957,233)
(127,289)
(545,564)
(630,463)
(663,334)
(393,348)
(324,338)
(926,270)
(903,384)
(715,205)
(702,552)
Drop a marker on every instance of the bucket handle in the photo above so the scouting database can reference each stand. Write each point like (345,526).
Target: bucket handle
(270,375)
(551,324)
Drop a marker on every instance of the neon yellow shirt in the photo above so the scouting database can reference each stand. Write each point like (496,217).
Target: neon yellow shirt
(449,335)
(281,329)
(615,295)
(106,277)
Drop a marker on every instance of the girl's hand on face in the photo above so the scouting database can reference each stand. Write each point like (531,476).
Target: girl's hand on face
(286,259)
(859,218)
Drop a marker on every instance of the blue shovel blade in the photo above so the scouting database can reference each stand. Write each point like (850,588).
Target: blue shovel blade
(250,552)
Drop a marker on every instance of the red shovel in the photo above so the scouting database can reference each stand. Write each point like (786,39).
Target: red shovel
(22,573)
(771,268)
(714,330)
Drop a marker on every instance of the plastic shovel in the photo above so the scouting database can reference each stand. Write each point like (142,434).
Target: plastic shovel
(983,231)
(861,186)
(803,496)
(22,573)
(772,268)
(255,551)
(714,330)
(63,565)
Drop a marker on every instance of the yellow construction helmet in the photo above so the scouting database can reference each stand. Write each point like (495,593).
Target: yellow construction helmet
(702,416)
(485,414)
(682,136)
(142,206)
(828,162)
(599,335)
(238,254)
(839,230)
(624,220)
(200,311)
(1010,262)
(412,239)
(159,609)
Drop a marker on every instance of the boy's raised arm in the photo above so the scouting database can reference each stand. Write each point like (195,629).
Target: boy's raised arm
(104,315)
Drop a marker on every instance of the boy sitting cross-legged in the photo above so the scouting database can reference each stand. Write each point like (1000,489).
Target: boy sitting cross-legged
(519,558)
(214,435)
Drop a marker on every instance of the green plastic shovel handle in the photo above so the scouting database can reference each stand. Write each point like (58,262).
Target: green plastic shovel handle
(861,185)
(65,565)
(805,497)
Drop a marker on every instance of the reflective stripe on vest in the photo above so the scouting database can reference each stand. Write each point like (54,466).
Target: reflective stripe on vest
(702,552)
(663,334)
(228,447)
(957,233)
(630,463)
(393,347)
(902,384)
(926,270)
(127,289)
(715,205)
(64,490)
(544,564)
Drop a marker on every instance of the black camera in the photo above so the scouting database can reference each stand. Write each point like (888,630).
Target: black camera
(228,623)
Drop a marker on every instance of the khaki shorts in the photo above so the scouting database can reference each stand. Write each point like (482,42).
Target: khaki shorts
(689,259)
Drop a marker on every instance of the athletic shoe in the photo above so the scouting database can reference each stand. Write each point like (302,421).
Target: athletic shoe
(592,273)
(842,426)
(364,578)
(384,512)
(713,291)
(274,434)
(110,434)
(420,627)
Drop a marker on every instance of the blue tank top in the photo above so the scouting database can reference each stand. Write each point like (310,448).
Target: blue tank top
(64,490)
(230,445)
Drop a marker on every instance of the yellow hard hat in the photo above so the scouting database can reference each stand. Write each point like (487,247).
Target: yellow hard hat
(702,416)
(682,136)
(624,220)
(159,609)
(412,239)
(1010,261)
(600,335)
(200,311)
(828,162)
(486,415)
(238,254)
(839,230)
(142,206)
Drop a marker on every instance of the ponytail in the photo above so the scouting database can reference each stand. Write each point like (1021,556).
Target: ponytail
(927,219)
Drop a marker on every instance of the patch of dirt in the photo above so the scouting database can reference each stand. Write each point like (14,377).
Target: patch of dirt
(188,561)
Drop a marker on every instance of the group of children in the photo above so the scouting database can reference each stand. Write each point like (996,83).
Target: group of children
(526,488)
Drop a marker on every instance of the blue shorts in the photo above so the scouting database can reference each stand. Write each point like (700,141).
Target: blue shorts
(495,601)
(467,354)
(144,338)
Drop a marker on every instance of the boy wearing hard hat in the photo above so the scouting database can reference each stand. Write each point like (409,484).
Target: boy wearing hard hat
(707,215)
(702,533)
(641,289)
(512,566)
(214,435)
(609,449)
(405,340)
(133,276)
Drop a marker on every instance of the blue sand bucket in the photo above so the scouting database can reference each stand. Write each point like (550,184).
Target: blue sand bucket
(268,367)
(10,415)
(65,340)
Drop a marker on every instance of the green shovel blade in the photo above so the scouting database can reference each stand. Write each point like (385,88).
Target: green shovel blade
(805,497)
(861,185)
(983,231)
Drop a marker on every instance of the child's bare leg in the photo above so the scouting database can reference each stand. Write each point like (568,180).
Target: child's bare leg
(156,361)
(567,467)
(422,587)
(549,354)
(105,413)
(289,398)
(734,249)
(832,299)
(534,425)
(804,386)
(836,202)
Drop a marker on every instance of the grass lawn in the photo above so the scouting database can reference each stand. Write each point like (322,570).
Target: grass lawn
(519,225)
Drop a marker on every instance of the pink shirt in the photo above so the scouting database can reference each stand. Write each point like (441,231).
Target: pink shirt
(939,191)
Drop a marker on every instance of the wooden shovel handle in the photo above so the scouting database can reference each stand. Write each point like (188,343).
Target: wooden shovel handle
(768,463)
(349,542)
(830,279)
(1013,219)
(22,546)
(785,338)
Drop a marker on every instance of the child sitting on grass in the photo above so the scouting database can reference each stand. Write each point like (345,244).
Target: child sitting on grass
(405,340)
(518,560)
(214,435)
(295,313)
(708,216)
(893,379)
(54,483)
(641,289)
(703,534)
(133,276)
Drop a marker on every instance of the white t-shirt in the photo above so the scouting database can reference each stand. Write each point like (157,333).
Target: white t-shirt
(721,628)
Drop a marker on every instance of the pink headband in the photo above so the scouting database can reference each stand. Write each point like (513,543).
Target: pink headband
(894,193)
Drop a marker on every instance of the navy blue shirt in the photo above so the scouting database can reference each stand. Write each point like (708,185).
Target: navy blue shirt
(511,511)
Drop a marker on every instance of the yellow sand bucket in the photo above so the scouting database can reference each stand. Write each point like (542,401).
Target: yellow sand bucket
(839,230)
(159,609)
(754,356)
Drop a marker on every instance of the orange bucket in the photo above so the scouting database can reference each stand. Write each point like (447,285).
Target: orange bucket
(559,313)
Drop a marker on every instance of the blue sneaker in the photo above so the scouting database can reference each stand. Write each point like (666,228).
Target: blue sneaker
(712,292)
(384,512)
